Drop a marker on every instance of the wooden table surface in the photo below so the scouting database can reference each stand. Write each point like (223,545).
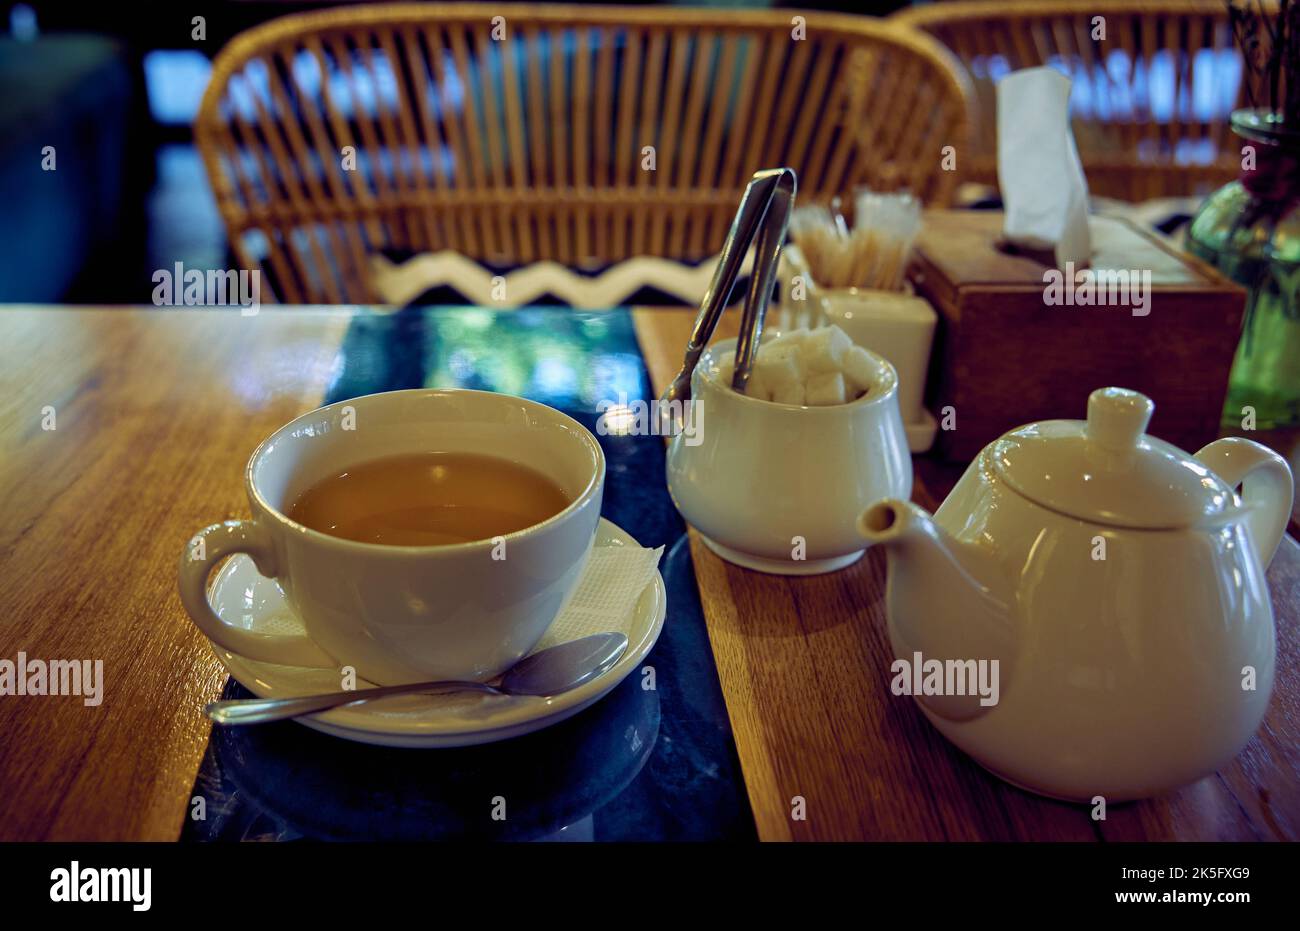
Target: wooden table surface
(156,413)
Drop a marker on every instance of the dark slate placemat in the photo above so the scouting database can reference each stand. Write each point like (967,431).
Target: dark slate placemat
(642,764)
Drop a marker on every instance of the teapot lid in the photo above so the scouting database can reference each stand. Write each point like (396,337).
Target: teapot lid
(1106,470)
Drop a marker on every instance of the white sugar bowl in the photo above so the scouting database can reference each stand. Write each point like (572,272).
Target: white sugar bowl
(777,487)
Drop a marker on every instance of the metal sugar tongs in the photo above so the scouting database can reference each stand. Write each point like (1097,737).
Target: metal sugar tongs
(764,212)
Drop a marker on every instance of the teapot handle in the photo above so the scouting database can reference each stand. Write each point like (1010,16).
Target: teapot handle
(1266,486)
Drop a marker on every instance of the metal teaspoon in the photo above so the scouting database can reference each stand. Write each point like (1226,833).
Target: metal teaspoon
(547,672)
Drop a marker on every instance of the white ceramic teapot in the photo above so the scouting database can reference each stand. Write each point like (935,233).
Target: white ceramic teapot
(1119,584)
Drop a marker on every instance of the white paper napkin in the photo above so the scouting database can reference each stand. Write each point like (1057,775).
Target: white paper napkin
(613,580)
(1044,192)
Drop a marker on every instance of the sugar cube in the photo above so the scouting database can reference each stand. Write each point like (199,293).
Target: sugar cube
(824,349)
(792,393)
(791,339)
(825,389)
(757,387)
(780,365)
(859,370)
(818,367)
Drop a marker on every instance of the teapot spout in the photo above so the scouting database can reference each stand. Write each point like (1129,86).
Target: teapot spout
(947,600)
(911,534)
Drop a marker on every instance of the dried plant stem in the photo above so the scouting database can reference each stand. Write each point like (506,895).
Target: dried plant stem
(1269,39)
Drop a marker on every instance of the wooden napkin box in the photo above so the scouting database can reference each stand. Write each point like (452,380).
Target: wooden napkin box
(1004,356)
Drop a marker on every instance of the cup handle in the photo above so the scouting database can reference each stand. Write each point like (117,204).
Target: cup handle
(1266,483)
(203,551)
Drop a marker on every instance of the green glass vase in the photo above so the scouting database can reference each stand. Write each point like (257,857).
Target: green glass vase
(1250,230)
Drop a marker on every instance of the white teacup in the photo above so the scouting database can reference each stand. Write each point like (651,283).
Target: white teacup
(407,613)
(773,486)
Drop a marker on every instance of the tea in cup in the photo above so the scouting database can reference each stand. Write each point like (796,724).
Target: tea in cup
(418,535)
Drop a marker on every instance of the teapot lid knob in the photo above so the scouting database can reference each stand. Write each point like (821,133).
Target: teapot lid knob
(1117,418)
(1107,470)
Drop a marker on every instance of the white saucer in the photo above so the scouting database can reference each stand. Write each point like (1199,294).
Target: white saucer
(243,598)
